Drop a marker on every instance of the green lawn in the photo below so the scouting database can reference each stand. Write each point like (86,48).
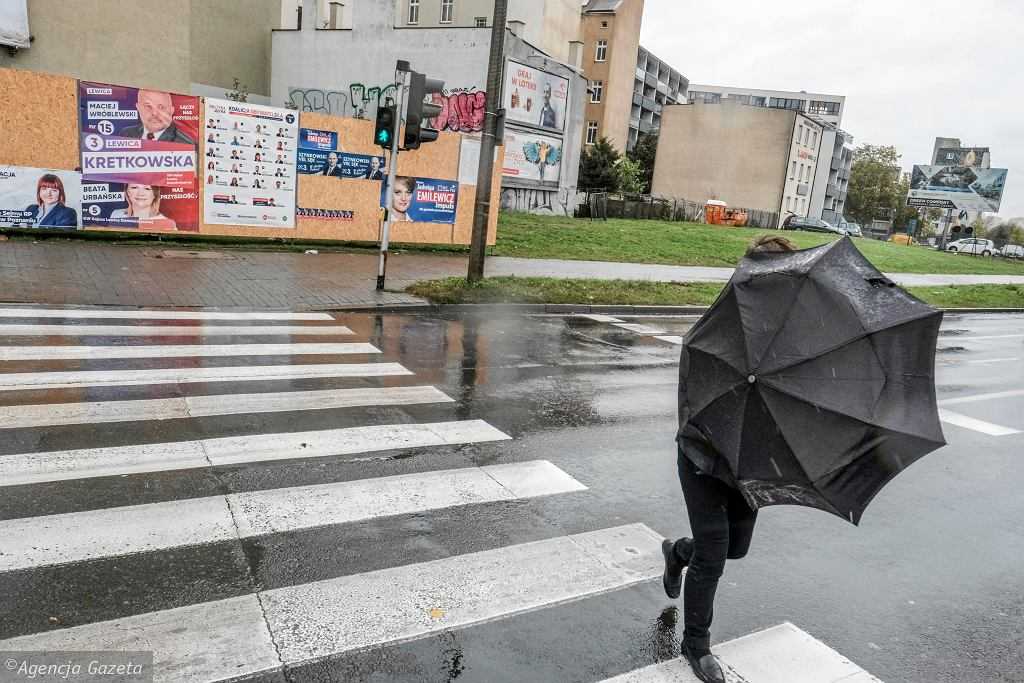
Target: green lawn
(696,244)
(643,293)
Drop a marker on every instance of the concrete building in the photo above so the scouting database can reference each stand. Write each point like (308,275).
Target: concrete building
(656,86)
(950,152)
(192,46)
(748,156)
(828,108)
(350,71)
(832,179)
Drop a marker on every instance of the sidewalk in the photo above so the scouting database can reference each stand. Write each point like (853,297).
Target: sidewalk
(91,273)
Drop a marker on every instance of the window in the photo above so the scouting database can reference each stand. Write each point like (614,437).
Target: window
(819,107)
(792,172)
(447,10)
(414,12)
(785,103)
(596,91)
(756,101)
(604,24)
(799,133)
(705,97)
(481,22)
(814,140)
(801,172)
(591,132)
(601,54)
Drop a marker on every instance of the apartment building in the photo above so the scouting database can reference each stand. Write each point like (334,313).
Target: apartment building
(832,179)
(748,156)
(828,108)
(656,86)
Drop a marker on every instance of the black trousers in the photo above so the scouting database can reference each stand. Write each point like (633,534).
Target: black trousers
(723,525)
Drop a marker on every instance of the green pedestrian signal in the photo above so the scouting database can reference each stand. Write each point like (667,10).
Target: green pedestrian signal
(384,132)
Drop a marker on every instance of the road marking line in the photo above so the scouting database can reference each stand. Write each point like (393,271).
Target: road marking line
(34,468)
(155,314)
(781,654)
(597,317)
(169,330)
(640,329)
(34,542)
(20,381)
(971,423)
(1013,393)
(671,339)
(329,617)
(51,414)
(955,338)
(993,360)
(11,353)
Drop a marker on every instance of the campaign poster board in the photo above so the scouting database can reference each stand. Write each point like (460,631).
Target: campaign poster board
(41,198)
(340,165)
(531,156)
(534,97)
(964,188)
(138,145)
(249,164)
(422,200)
(323,140)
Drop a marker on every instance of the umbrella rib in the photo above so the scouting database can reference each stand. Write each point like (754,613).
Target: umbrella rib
(778,329)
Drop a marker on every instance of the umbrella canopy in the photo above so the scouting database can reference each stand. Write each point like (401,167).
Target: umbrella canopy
(813,377)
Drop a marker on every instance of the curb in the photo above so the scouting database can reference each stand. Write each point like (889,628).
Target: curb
(571,309)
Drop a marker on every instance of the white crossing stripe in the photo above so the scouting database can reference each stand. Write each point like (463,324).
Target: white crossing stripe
(169,330)
(79,536)
(597,317)
(671,339)
(640,329)
(325,618)
(780,654)
(156,314)
(992,360)
(954,338)
(34,468)
(72,379)
(973,424)
(10,353)
(51,414)
(1013,393)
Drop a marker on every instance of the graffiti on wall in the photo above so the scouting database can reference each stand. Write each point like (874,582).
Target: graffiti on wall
(545,202)
(462,109)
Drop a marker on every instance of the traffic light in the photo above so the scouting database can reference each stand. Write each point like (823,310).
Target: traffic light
(384,133)
(418,111)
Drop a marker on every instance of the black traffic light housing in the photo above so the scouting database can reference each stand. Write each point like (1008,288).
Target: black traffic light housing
(384,131)
(418,111)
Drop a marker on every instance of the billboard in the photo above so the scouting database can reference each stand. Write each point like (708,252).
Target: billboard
(422,200)
(249,164)
(534,97)
(40,198)
(530,156)
(138,158)
(975,157)
(957,187)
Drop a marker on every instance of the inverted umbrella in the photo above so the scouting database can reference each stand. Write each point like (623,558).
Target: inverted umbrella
(813,377)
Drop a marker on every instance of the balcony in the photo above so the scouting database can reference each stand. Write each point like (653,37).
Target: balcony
(647,127)
(837,163)
(651,80)
(638,99)
(650,104)
(803,189)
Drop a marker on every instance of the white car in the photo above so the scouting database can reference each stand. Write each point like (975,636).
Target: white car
(972,246)
(1012,251)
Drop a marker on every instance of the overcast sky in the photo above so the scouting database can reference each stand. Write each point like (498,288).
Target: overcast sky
(910,70)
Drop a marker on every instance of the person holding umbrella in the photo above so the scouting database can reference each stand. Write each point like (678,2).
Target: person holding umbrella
(809,381)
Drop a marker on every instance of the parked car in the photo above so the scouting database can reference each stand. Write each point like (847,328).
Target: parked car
(852,229)
(972,246)
(810,224)
(1012,251)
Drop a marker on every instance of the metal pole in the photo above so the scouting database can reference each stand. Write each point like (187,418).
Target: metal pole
(482,208)
(392,171)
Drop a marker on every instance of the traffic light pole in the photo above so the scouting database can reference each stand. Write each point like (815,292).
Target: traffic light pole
(482,208)
(400,78)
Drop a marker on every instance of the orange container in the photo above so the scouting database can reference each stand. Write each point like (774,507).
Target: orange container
(714,212)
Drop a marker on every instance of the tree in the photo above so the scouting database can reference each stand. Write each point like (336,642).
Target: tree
(597,167)
(629,176)
(903,214)
(644,153)
(875,184)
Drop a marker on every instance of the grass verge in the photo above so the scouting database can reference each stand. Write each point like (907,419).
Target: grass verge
(696,244)
(539,290)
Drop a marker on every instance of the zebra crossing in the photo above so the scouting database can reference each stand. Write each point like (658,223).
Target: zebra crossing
(261,627)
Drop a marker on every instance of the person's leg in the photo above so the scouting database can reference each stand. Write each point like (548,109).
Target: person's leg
(741,525)
(707,506)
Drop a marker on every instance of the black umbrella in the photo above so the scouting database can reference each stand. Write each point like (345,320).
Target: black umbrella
(813,377)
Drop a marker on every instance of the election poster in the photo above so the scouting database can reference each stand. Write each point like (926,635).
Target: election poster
(40,198)
(530,156)
(534,97)
(964,188)
(422,200)
(323,140)
(138,158)
(319,154)
(249,164)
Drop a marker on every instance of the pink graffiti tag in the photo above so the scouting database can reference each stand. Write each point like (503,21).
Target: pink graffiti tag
(463,111)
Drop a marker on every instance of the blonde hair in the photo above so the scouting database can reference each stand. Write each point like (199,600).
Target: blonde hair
(770,244)
(156,198)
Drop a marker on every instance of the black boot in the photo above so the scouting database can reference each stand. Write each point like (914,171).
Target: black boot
(672,578)
(704,665)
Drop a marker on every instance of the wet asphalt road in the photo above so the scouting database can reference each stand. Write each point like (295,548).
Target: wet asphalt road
(928,588)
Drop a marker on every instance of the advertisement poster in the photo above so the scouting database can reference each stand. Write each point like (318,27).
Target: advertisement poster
(323,140)
(340,165)
(40,198)
(529,156)
(249,164)
(422,200)
(326,214)
(138,145)
(535,97)
(957,187)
